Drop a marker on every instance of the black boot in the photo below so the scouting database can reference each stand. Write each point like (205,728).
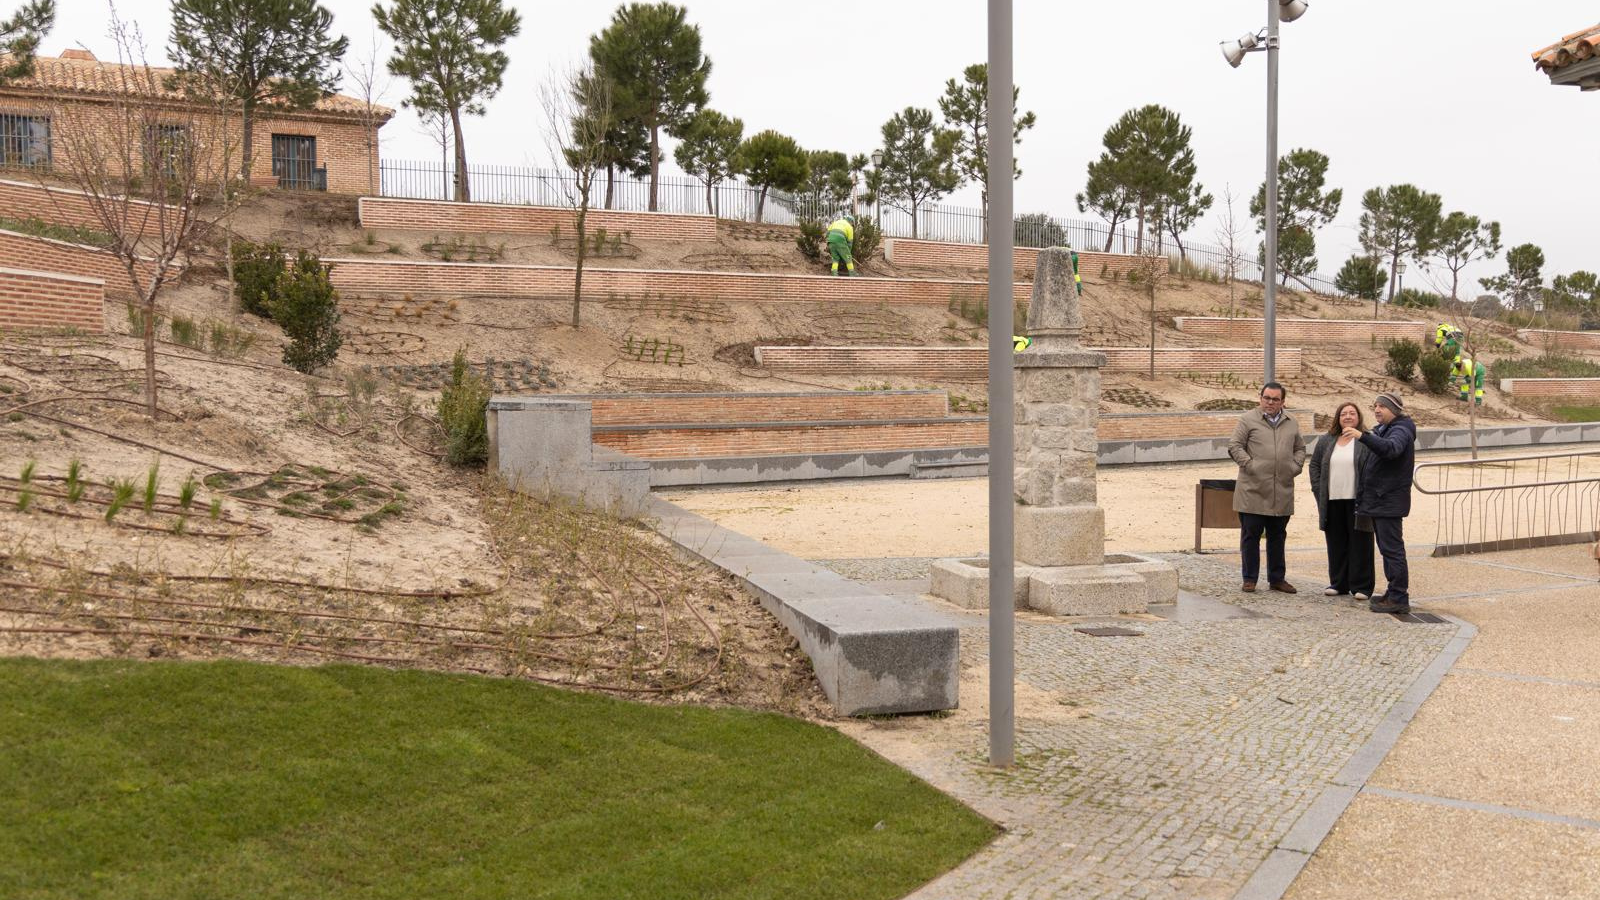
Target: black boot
(1382,604)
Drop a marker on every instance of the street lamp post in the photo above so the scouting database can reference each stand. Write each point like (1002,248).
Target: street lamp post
(1002,440)
(1400,276)
(1234,51)
(877,201)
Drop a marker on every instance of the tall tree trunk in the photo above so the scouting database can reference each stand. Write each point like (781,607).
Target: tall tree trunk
(655,163)
(984,208)
(1152,289)
(913,220)
(583,243)
(148,302)
(710,208)
(761,203)
(247,128)
(463,190)
(611,183)
(1111,234)
(1138,237)
(1394,259)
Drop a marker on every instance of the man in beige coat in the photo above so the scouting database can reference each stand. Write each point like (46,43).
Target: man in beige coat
(1270,452)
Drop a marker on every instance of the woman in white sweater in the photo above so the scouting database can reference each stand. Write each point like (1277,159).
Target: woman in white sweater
(1335,475)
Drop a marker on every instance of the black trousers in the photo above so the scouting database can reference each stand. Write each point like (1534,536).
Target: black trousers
(1392,547)
(1251,527)
(1349,550)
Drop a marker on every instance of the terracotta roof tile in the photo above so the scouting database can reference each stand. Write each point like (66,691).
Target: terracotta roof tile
(1575,47)
(77,71)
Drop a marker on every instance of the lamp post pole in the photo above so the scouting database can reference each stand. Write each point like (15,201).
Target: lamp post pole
(1270,270)
(1002,440)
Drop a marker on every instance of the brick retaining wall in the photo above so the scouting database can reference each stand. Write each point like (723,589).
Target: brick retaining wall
(1586,389)
(503,218)
(58,206)
(683,442)
(30,299)
(700,409)
(1560,340)
(903,252)
(1303,331)
(972,363)
(48,255)
(555,282)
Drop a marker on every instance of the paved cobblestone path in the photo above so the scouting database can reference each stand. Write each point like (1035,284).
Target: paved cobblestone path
(1160,766)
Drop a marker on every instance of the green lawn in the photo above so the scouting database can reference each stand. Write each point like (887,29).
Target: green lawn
(1576,413)
(218,780)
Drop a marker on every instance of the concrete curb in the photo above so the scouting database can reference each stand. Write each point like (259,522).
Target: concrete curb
(1277,873)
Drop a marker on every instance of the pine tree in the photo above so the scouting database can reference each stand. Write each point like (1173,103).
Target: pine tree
(1462,239)
(1146,169)
(771,160)
(1106,194)
(449,51)
(1523,278)
(827,186)
(20,35)
(706,149)
(918,162)
(1303,207)
(658,73)
(274,54)
(965,106)
(1361,276)
(1399,222)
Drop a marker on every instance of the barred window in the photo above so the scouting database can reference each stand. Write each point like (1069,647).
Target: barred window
(24,139)
(168,147)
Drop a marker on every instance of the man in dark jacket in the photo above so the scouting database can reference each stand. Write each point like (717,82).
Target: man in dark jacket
(1385,494)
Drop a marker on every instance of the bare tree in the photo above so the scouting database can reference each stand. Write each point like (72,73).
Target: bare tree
(1472,331)
(436,125)
(1152,268)
(578,114)
(140,156)
(371,82)
(1227,235)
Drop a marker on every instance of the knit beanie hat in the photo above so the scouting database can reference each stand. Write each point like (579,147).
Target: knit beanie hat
(1393,402)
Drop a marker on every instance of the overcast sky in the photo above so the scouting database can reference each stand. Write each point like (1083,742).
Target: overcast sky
(1440,93)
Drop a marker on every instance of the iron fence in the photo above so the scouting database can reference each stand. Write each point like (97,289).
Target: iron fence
(733,199)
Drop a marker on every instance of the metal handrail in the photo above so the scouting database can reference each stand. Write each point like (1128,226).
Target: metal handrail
(1543,512)
(1416,475)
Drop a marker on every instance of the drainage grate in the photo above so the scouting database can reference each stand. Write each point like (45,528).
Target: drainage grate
(1109,631)
(1422,619)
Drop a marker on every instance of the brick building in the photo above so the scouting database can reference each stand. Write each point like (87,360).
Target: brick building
(332,146)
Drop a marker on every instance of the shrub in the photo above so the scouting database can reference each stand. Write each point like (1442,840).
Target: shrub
(1435,372)
(1411,298)
(306,306)
(1403,356)
(868,237)
(187,333)
(812,236)
(257,269)
(463,413)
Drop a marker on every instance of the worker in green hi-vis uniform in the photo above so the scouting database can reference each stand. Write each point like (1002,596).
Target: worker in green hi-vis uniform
(841,235)
(1077,279)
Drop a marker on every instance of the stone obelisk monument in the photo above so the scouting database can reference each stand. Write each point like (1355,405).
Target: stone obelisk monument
(1060,530)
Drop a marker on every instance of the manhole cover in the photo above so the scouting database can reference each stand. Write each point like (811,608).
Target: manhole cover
(1109,631)
(1422,619)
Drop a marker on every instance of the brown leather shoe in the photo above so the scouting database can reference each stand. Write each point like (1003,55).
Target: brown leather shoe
(1249,587)
(1284,587)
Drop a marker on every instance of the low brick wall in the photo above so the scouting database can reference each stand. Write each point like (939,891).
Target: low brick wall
(1560,340)
(686,442)
(1303,331)
(505,218)
(555,282)
(972,363)
(1181,424)
(903,252)
(44,254)
(58,206)
(704,409)
(30,299)
(1585,389)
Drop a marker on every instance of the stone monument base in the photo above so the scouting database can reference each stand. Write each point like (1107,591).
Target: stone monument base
(1125,583)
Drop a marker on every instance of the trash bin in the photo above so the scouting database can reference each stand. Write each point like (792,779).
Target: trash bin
(1213,506)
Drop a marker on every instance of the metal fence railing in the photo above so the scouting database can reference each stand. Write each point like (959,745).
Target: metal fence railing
(735,199)
(1513,502)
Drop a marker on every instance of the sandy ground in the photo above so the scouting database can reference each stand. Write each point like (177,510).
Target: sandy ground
(1148,508)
